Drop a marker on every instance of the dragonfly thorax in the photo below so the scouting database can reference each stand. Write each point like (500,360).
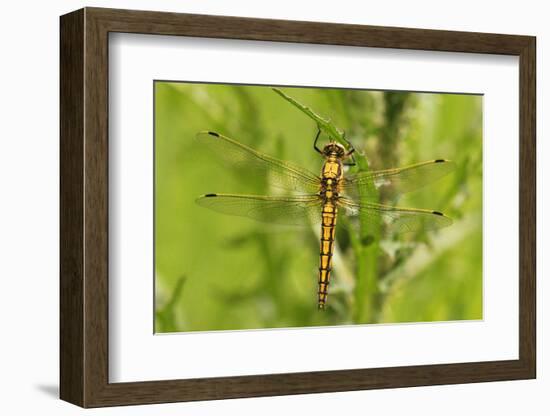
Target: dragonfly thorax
(335,150)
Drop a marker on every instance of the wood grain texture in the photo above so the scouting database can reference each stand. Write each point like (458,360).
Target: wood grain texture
(225,27)
(96,209)
(71,100)
(84,207)
(527,208)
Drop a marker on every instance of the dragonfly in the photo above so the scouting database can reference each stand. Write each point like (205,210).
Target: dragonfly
(309,198)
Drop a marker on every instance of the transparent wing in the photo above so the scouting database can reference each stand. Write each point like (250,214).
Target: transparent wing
(396,219)
(396,181)
(291,210)
(281,174)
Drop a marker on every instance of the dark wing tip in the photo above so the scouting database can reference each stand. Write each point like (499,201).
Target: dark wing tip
(213,133)
(440,161)
(438,213)
(201,199)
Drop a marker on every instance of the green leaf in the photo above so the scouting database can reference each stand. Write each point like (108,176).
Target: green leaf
(325,125)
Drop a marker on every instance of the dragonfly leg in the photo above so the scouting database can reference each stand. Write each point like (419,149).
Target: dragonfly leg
(350,154)
(350,151)
(315,141)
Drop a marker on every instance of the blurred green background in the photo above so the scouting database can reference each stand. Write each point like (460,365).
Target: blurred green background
(218,272)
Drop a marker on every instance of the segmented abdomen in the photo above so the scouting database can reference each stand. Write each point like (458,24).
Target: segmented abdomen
(328,228)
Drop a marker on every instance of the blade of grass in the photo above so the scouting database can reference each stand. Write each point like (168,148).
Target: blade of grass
(325,125)
(366,250)
(166,316)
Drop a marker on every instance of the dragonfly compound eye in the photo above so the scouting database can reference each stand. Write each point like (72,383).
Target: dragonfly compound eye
(334,149)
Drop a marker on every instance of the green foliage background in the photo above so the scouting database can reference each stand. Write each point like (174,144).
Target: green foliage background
(217,272)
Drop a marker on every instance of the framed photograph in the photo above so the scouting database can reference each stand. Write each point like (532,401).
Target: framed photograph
(254,207)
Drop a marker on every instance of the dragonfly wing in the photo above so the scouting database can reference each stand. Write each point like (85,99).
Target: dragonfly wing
(290,210)
(280,174)
(364,185)
(396,219)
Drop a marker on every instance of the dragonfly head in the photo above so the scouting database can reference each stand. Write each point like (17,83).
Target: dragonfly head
(334,149)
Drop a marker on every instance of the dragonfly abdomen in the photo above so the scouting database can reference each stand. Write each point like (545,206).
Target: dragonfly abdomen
(331,177)
(328,228)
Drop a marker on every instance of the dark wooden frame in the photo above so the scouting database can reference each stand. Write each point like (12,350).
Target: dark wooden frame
(84,207)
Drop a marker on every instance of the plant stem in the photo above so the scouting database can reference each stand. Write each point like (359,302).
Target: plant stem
(366,249)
